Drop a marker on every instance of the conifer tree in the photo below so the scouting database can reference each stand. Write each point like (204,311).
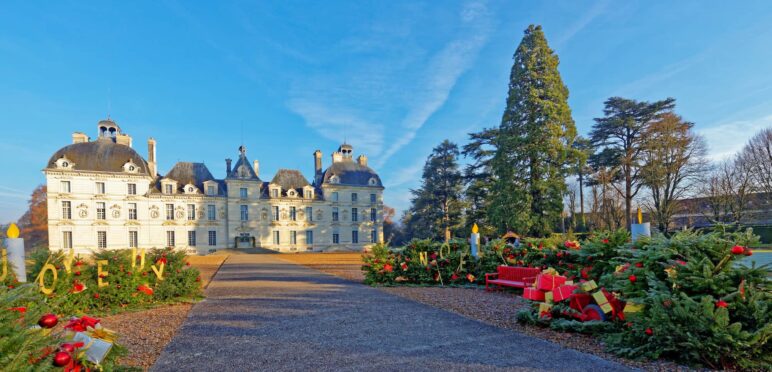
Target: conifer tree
(534,143)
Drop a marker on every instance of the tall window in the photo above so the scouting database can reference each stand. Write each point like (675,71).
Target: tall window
(275,237)
(275,214)
(244,212)
(170,238)
(373,214)
(335,196)
(102,239)
(243,192)
(354,197)
(170,211)
(309,237)
(210,190)
(212,238)
(309,214)
(275,193)
(66,239)
(334,213)
(66,210)
(133,239)
(355,236)
(211,212)
(191,212)
(293,214)
(192,238)
(65,186)
(374,236)
(354,214)
(132,189)
(293,237)
(100,210)
(169,189)
(335,238)
(100,188)
(132,211)
(372,198)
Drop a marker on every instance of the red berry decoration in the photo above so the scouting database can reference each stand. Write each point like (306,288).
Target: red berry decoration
(96,295)
(649,331)
(721,303)
(639,264)
(738,249)
(632,278)
(62,359)
(48,321)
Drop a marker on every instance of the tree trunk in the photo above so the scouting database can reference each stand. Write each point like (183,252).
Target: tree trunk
(581,198)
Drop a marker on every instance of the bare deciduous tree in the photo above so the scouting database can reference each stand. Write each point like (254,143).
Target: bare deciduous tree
(757,155)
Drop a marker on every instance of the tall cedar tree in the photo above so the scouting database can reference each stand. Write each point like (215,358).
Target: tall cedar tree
(34,222)
(479,181)
(673,161)
(534,143)
(436,207)
(619,137)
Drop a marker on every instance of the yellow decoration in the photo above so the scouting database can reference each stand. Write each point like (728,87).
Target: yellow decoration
(671,272)
(101,333)
(42,278)
(141,258)
(4,259)
(620,268)
(12,232)
(549,271)
(101,273)
(159,272)
(631,307)
(640,216)
(475,229)
(588,286)
(602,301)
(67,261)
(548,297)
(544,308)
(443,247)
(423,258)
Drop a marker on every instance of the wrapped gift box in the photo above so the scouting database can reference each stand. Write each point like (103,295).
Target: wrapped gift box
(545,308)
(602,301)
(588,285)
(563,292)
(631,307)
(547,282)
(533,294)
(548,297)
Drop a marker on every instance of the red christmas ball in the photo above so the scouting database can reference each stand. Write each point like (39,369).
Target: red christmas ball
(62,359)
(738,249)
(68,347)
(721,303)
(649,331)
(639,264)
(48,321)
(632,278)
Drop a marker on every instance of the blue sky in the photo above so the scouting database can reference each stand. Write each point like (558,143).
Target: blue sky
(393,78)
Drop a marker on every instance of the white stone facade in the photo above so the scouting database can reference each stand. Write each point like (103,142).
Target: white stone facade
(102,194)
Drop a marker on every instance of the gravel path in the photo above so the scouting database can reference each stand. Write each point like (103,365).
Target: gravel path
(263,313)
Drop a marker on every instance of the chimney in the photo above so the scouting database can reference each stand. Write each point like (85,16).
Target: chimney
(228,167)
(151,162)
(317,162)
(256,167)
(78,137)
(123,139)
(362,160)
(337,157)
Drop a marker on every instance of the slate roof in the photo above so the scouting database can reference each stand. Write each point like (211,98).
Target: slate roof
(289,179)
(102,155)
(351,173)
(243,161)
(190,173)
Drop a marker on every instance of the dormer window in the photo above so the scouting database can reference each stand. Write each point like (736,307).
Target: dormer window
(210,187)
(169,186)
(373,182)
(308,193)
(130,167)
(64,163)
(190,189)
(168,189)
(275,191)
(334,179)
(291,193)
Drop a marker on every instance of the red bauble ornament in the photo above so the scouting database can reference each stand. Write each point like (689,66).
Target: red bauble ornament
(48,321)
(68,347)
(632,278)
(639,264)
(721,303)
(649,331)
(738,249)
(62,359)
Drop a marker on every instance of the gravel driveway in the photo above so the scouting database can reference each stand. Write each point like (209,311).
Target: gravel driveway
(263,313)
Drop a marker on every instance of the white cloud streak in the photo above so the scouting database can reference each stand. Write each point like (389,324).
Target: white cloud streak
(726,139)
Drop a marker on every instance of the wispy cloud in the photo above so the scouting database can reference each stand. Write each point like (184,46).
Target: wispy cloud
(413,83)
(726,139)
(596,10)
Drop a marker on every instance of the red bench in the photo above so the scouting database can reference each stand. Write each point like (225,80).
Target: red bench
(512,276)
